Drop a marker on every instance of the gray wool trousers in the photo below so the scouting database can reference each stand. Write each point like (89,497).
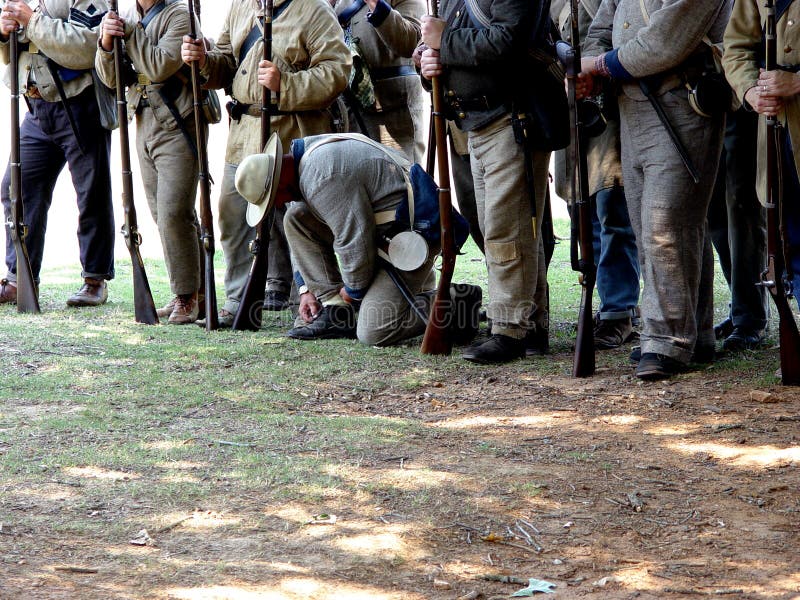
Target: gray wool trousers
(668,213)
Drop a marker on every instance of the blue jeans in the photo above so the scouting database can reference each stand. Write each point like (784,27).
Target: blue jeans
(615,254)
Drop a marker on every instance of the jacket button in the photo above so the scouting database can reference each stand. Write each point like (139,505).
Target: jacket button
(626,25)
(462,115)
(451,93)
(790,22)
(787,49)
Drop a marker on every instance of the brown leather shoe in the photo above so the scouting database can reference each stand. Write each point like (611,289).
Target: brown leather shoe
(93,292)
(8,292)
(166,310)
(185,311)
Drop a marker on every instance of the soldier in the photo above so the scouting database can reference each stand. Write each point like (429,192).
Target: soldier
(385,34)
(481,54)
(309,70)
(350,192)
(650,45)
(771,93)
(162,101)
(614,242)
(62,126)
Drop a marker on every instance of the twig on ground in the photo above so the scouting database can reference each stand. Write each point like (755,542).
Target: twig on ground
(174,525)
(81,570)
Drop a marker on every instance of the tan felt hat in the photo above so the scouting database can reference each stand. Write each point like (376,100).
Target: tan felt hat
(257,178)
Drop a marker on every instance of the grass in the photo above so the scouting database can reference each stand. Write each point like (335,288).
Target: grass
(167,415)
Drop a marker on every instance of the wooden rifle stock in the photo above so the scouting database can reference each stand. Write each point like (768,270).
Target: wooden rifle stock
(204,182)
(777,248)
(583,364)
(144,307)
(27,290)
(248,317)
(437,339)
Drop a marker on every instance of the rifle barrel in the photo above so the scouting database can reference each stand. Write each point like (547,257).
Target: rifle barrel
(437,338)
(204,183)
(144,307)
(27,290)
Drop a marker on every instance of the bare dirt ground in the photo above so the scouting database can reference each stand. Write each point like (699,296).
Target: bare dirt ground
(605,487)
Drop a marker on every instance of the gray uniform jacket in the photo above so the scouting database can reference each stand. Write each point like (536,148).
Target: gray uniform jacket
(156,56)
(387,43)
(66,31)
(645,46)
(603,154)
(330,177)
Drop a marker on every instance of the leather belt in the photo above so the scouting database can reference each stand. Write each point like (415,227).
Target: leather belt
(478,103)
(391,72)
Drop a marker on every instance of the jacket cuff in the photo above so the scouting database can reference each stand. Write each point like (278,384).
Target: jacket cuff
(378,16)
(357,294)
(615,67)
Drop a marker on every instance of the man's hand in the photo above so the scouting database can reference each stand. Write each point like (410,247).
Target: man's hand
(432,28)
(111,27)
(193,51)
(7,25)
(345,296)
(763,103)
(18,11)
(269,76)
(431,64)
(309,307)
(417,55)
(779,83)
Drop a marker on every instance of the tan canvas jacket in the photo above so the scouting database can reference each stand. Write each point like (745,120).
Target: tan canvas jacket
(603,153)
(390,44)
(66,31)
(675,31)
(308,48)
(741,63)
(155,53)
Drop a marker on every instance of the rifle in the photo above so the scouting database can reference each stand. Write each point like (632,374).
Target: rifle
(248,317)
(27,290)
(437,339)
(144,307)
(570,54)
(206,218)
(773,277)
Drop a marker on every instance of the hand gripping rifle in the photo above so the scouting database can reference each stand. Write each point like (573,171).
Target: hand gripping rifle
(144,307)
(437,338)
(27,290)
(204,181)
(584,361)
(248,317)
(777,251)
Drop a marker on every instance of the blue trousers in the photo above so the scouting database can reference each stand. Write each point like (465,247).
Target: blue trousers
(737,222)
(615,255)
(47,143)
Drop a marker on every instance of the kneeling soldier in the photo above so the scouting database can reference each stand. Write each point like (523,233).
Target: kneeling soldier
(165,135)
(348,190)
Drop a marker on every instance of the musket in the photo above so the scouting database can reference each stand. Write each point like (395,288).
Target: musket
(570,54)
(248,317)
(777,249)
(204,182)
(144,307)
(27,290)
(437,339)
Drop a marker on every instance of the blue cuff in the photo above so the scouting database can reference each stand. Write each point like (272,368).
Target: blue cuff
(615,67)
(298,279)
(356,294)
(378,16)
